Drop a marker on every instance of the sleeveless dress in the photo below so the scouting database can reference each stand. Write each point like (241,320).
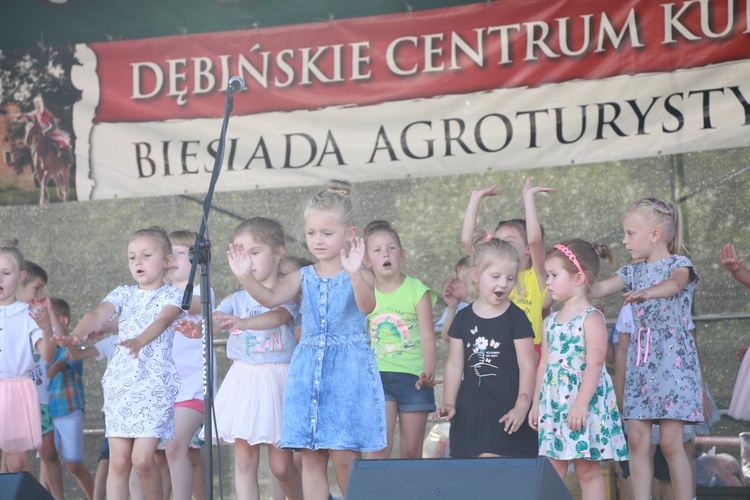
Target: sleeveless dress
(602,438)
(333,397)
(663,378)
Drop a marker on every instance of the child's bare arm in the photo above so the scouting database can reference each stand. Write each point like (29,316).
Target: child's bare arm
(534,230)
(670,287)
(472,212)
(427,339)
(80,353)
(166,317)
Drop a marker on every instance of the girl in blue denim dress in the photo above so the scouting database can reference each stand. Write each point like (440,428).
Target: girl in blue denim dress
(662,379)
(333,401)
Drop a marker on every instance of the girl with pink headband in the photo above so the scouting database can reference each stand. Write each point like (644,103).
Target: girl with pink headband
(663,382)
(575,409)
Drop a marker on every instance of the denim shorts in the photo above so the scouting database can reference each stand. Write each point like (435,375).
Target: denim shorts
(399,387)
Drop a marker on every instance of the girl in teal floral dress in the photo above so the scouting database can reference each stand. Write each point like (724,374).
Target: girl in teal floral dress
(574,409)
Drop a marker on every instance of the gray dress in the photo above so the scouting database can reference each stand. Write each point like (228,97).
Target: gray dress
(663,379)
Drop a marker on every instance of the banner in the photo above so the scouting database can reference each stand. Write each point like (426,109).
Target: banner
(487,86)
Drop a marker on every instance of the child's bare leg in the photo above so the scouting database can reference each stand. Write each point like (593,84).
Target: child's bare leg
(51,466)
(166,477)
(641,463)
(186,422)
(342,466)
(282,468)
(83,477)
(412,426)
(391,415)
(100,479)
(144,462)
(17,462)
(199,474)
(315,474)
(674,452)
(560,466)
(120,451)
(246,459)
(590,478)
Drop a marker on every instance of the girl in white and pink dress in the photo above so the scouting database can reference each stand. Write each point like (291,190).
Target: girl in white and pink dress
(24,329)
(141,381)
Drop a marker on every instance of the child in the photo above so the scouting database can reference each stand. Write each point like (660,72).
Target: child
(102,349)
(527,236)
(403,340)
(185,460)
(261,343)
(50,468)
(456,297)
(489,374)
(663,380)
(739,407)
(333,402)
(26,328)
(574,407)
(141,382)
(67,404)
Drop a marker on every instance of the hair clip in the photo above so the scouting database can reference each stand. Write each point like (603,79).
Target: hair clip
(488,237)
(571,256)
(657,205)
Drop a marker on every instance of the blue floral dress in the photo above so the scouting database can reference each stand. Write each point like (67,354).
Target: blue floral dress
(333,398)
(602,438)
(663,378)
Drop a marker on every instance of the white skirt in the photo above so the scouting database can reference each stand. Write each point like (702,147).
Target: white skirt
(249,405)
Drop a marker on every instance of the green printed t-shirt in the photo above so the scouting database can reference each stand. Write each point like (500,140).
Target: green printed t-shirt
(394,329)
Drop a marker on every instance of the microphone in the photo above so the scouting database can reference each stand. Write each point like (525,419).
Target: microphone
(236,84)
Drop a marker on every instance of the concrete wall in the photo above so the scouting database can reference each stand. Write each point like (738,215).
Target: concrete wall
(82,245)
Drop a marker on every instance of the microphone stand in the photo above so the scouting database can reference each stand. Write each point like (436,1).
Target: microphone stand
(200,254)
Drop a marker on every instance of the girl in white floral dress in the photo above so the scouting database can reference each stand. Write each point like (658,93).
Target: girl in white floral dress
(663,382)
(574,408)
(141,382)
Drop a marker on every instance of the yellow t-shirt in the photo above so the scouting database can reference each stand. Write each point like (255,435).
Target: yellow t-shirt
(528,297)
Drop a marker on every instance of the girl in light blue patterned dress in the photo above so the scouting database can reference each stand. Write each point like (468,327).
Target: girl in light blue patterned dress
(575,408)
(662,380)
(141,381)
(333,401)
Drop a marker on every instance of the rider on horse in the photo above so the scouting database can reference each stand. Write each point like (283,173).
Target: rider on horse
(49,125)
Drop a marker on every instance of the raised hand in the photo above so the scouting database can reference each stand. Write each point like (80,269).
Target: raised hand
(188,328)
(65,340)
(636,296)
(132,345)
(240,261)
(353,262)
(530,190)
(234,324)
(39,312)
(484,192)
(729,258)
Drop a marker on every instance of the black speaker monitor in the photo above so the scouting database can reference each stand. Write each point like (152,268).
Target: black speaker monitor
(22,486)
(442,479)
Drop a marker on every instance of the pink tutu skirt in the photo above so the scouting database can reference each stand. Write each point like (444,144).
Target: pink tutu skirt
(21,419)
(250,403)
(739,408)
